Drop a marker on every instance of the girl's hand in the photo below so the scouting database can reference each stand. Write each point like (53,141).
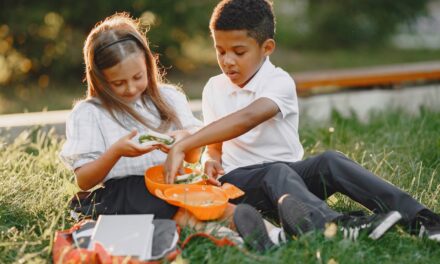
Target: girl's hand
(213,169)
(126,147)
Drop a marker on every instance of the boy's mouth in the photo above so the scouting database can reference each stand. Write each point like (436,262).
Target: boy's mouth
(232,74)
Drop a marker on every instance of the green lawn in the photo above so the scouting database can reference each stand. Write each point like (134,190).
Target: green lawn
(405,150)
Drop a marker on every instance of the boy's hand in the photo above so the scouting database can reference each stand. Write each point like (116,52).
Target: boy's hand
(173,163)
(178,135)
(213,169)
(126,147)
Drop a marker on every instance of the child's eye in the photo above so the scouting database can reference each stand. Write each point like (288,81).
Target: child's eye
(240,53)
(138,76)
(117,83)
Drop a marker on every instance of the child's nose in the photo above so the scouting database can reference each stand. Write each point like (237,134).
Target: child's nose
(228,60)
(130,88)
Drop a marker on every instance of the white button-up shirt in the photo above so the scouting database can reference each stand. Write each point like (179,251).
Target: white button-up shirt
(276,139)
(90,131)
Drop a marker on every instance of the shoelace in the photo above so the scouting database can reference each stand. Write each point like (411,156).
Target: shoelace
(428,224)
(422,231)
(352,232)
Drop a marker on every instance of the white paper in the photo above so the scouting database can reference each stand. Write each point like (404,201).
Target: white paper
(124,235)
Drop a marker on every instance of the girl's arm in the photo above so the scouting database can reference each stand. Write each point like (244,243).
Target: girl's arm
(93,173)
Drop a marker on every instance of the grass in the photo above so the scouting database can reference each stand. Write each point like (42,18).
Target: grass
(35,188)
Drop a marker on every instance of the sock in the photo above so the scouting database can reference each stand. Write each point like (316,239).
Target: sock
(277,235)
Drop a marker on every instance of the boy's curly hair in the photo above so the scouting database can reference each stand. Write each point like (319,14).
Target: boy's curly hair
(255,16)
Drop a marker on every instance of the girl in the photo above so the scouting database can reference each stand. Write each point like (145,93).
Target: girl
(125,95)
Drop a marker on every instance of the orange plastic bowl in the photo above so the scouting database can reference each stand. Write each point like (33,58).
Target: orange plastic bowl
(154,179)
(205,202)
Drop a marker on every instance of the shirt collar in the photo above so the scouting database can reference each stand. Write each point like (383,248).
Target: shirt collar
(138,103)
(253,83)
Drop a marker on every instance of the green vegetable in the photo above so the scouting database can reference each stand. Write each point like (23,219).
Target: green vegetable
(190,178)
(154,136)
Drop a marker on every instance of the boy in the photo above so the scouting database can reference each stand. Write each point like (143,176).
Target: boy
(251,113)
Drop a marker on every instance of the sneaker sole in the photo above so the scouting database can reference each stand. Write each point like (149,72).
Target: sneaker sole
(250,226)
(391,219)
(293,216)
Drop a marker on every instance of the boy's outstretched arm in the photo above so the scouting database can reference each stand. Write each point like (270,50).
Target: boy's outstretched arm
(191,156)
(226,128)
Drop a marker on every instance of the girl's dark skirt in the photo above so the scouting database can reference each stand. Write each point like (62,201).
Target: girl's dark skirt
(127,195)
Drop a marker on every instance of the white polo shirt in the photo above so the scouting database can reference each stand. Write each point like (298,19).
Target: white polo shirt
(276,139)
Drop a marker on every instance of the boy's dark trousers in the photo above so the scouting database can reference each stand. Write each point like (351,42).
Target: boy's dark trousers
(313,180)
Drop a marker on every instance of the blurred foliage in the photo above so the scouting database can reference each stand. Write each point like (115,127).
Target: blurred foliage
(352,24)
(42,40)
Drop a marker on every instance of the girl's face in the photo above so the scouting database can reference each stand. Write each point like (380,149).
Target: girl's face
(128,79)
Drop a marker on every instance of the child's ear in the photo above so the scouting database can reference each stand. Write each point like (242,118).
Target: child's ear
(268,46)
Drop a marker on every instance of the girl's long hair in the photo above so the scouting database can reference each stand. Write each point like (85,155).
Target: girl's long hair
(110,42)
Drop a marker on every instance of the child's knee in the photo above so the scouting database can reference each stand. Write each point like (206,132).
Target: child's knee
(331,156)
(278,168)
(278,172)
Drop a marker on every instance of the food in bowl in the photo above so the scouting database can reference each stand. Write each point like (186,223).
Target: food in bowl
(190,178)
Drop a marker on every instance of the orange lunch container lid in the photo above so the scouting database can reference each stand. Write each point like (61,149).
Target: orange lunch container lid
(206,202)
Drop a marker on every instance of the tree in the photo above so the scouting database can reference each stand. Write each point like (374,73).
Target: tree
(44,38)
(354,23)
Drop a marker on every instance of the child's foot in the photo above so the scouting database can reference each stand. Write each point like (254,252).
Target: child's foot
(429,224)
(296,219)
(295,216)
(375,226)
(249,224)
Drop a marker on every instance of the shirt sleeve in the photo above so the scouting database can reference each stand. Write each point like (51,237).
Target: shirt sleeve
(282,91)
(207,110)
(84,140)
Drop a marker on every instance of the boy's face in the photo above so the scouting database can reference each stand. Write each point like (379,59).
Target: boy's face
(239,55)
